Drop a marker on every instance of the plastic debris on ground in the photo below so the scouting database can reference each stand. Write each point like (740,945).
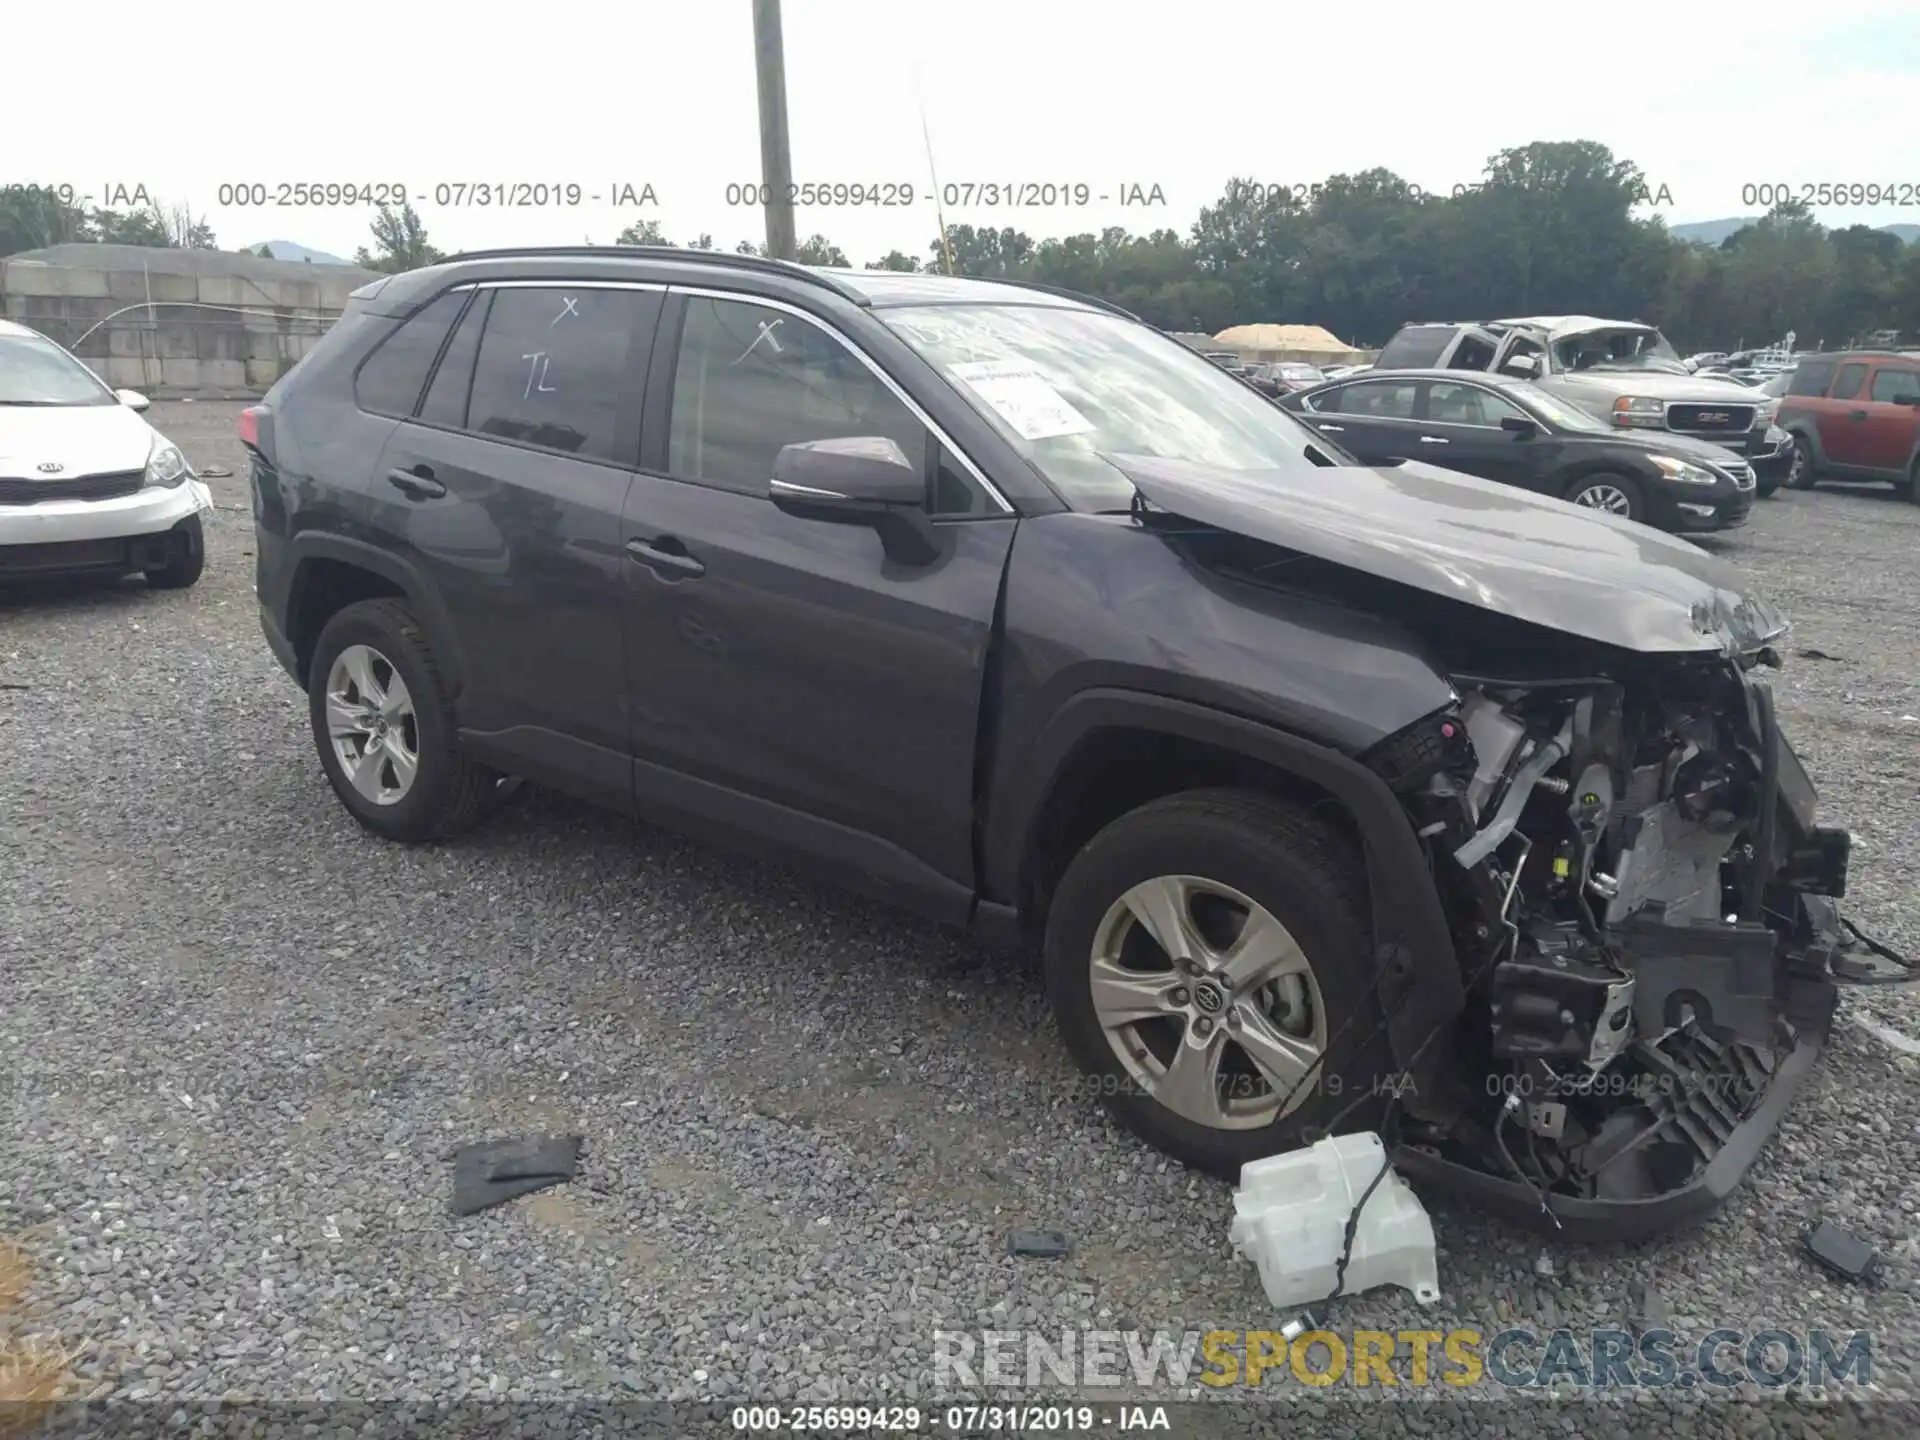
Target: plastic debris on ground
(1038,1244)
(497,1171)
(1291,1215)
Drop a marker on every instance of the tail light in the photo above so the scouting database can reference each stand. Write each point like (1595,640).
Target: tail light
(256,428)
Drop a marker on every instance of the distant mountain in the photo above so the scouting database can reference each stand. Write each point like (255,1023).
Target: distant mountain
(287,250)
(1713,232)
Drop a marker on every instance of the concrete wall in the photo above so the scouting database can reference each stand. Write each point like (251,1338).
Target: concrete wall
(219,324)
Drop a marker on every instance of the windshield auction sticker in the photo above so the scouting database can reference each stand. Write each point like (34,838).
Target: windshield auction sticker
(1034,409)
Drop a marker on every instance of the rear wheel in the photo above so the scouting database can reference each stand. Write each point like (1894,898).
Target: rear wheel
(1805,473)
(1207,959)
(186,557)
(384,724)
(1913,481)
(1615,494)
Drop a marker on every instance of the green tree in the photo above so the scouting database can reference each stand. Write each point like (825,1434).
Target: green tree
(642,232)
(818,250)
(400,241)
(895,260)
(983,253)
(33,217)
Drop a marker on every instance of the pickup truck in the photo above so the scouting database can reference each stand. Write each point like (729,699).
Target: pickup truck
(1622,372)
(1332,797)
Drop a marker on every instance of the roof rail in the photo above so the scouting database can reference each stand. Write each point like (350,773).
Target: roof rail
(1065,294)
(793,270)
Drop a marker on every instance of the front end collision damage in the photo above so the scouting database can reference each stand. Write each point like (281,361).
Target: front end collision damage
(1644,914)
(1645,949)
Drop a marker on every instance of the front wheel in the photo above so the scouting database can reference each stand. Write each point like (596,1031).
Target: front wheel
(1207,959)
(186,557)
(1615,494)
(1805,473)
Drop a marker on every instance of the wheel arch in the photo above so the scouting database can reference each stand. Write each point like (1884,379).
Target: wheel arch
(1075,779)
(331,572)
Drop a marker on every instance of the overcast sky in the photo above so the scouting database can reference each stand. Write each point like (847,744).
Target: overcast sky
(1707,97)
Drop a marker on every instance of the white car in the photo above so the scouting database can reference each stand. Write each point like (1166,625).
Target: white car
(86,484)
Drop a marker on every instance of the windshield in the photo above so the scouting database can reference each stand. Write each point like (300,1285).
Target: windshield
(35,371)
(1550,408)
(1067,387)
(1627,348)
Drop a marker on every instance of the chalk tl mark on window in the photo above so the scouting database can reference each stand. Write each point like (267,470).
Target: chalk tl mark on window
(536,374)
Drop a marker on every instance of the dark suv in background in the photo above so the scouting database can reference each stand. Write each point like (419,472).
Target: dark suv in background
(1334,796)
(1854,416)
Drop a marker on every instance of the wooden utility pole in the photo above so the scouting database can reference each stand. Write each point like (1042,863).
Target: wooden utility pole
(776,161)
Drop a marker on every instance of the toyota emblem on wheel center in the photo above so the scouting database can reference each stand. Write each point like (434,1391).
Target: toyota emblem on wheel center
(50,467)
(1208,998)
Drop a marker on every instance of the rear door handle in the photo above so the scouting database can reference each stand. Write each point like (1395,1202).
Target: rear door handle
(417,483)
(665,555)
(1432,440)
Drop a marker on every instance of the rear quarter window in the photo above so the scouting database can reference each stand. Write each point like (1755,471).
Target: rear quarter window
(390,380)
(1811,378)
(1416,347)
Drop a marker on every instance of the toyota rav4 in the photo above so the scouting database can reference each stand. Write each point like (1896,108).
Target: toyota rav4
(1334,797)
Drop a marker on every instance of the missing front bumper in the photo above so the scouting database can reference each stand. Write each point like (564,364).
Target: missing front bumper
(1697,1118)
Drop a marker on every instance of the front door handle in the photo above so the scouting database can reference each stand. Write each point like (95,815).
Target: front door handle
(1856,414)
(417,483)
(1432,440)
(665,555)
(1334,429)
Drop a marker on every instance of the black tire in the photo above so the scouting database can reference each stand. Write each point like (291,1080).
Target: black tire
(1765,489)
(1308,878)
(186,557)
(1636,498)
(450,792)
(1913,481)
(1806,465)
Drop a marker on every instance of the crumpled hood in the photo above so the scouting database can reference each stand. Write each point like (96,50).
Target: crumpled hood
(1579,571)
(81,439)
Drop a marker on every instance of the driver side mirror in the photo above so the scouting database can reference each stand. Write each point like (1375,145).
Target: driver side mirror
(1525,366)
(858,480)
(132,399)
(1519,425)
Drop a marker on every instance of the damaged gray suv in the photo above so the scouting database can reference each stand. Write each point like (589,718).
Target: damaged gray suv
(1334,797)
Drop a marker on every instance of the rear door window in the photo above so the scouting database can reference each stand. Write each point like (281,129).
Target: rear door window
(1846,385)
(390,380)
(554,369)
(1379,400)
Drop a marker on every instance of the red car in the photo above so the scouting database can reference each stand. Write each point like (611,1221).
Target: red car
(1855,416)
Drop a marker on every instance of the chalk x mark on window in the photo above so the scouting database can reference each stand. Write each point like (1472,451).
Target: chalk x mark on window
(767,328)
(568,306)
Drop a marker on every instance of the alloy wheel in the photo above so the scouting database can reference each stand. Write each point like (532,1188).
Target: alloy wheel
(372,725)
(1610,498)
(1208,1002)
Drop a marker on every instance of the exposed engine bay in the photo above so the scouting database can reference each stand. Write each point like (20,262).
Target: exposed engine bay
(1643,913)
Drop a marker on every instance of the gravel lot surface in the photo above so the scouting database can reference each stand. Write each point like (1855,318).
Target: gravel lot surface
(241,1037)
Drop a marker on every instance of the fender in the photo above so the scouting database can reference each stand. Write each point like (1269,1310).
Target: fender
(324,545)
(1417,973)
(1805,427)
